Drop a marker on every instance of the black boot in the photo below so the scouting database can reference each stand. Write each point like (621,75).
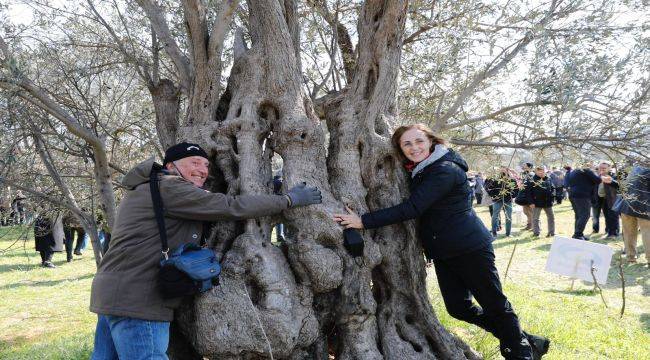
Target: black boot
(538,344)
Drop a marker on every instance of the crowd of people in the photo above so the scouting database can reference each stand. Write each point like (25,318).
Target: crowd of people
(593,190)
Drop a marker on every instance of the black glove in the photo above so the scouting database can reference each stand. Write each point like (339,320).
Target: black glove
(353,242)
(300,195)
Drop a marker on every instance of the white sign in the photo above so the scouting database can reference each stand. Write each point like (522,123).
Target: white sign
(575,258)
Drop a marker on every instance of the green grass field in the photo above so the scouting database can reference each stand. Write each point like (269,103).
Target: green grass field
(44,312)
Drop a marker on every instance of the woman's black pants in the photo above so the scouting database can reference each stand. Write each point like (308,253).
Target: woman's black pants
(474,275)
(46,256)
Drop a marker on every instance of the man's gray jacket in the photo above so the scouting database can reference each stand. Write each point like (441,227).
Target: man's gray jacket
(125,283)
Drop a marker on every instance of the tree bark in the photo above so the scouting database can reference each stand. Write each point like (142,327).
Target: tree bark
(308,298)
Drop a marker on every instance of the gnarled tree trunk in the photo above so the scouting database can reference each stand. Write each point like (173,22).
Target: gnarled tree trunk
(308,299)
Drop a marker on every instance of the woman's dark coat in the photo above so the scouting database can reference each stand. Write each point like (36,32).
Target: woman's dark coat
(442,201)
(44,237)
(540,191)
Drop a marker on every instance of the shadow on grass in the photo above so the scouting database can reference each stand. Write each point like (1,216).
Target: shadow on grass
(580,292)
(645,322)
(48,346)
(20,252)
(499,243)
(635,274)
(44,283)
(20,267)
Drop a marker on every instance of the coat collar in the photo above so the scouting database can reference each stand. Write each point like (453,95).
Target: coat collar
(438,152)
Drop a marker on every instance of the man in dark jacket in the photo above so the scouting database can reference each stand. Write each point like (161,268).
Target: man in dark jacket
(557,179)
(634,207)
(479,183)
(540,191)
(581,183)
(603,199)
(501,189)
(133,317)
(526,176)
(19,206)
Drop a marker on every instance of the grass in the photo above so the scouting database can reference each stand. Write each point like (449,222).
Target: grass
(576,320)
(44,312)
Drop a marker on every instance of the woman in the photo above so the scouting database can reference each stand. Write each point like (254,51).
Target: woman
(502,190)
(453,237)
(46,241)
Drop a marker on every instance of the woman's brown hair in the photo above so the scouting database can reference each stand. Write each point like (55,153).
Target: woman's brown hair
(404,128)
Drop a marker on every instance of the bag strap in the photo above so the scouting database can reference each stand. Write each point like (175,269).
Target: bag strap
(158,207)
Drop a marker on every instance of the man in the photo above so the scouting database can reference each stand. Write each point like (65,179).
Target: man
(557,179)
(526,176)
(19,206)
(479,183)
(635,212)
(581,183)
(71,226)
(603,199)
(501,189)
(277,189)
(541,191)
(133,318)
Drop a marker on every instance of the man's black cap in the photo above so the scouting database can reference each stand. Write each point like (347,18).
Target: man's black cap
(183,150)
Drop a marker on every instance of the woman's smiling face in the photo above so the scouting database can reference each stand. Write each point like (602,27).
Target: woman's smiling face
(415,145)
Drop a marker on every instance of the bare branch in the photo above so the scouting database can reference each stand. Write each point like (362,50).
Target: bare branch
(156,16)
(494,67)
(493,115)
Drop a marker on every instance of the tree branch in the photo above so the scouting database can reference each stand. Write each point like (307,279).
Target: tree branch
(492,69)
(156,16)
(501,111)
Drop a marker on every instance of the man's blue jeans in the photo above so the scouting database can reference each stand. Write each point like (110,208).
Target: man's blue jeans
(120,337)
(507,209)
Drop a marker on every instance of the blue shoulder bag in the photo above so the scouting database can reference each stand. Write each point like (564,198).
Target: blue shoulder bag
(188,270)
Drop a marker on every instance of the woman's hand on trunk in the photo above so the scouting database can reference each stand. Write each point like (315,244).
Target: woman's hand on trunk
(350,220)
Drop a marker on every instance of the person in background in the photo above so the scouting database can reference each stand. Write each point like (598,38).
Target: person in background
(540,190)
(634,207)
(71,226)
(581,183)
(104,232)
(277,189)
(567,171)
(603,200)
(5,211)
(471,181)
(526,176)
(479,183)
(501,189)
(19,207)
(45,241)
(557,180)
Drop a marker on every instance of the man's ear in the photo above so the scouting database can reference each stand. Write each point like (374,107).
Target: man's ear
(169,166)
